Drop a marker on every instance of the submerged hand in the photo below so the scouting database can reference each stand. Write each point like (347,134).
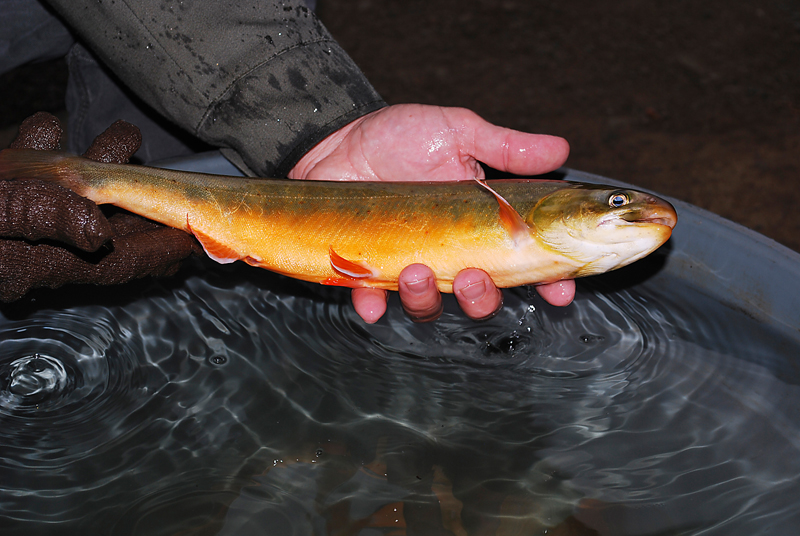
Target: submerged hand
(413,142)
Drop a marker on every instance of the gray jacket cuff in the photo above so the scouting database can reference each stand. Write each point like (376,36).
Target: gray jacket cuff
(264,78)
(275,113)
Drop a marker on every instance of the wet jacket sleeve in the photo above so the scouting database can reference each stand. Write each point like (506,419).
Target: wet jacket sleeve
(264,78)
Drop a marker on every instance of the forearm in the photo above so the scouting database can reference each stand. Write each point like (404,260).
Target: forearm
(263,78)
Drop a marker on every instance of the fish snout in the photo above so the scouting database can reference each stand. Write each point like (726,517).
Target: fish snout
(654,210)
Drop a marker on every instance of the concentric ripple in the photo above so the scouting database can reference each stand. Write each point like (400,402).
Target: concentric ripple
(35,378)
(238,400)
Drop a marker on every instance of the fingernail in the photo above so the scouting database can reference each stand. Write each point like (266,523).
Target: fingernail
(474,291)
(419,287)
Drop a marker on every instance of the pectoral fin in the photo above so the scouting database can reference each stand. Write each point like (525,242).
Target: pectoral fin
(516,226)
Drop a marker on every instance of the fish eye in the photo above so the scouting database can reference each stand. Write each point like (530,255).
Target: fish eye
(618,199)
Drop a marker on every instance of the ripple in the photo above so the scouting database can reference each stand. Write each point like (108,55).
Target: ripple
(234,392)
(35,378)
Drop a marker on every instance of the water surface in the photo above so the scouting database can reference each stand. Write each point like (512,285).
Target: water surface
(237,402)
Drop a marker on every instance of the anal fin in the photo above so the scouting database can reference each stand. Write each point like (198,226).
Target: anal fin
(219,252)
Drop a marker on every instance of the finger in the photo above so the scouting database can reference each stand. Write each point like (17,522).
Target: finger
(26,265)
(34,210)
(476,293)
(41,131)
(370,303)
(560,293)
(116,144)
(418,293)
(152,252)
(510,150)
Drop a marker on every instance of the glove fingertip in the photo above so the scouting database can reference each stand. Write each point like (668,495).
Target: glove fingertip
(116,144)
(41,131)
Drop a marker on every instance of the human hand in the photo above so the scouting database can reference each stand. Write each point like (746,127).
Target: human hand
(82,246)
(414,142)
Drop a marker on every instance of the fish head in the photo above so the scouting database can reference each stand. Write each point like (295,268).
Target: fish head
(601,228)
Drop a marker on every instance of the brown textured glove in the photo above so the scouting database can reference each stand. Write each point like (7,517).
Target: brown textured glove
(50,236)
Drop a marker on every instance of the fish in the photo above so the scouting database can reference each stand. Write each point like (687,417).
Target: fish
(521,231)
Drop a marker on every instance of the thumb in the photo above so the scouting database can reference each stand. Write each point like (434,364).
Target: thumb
(510,150)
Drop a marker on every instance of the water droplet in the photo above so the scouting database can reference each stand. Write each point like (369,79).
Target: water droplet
(528,311)
(217,359)
(587,338)
(318,453)
(508,344)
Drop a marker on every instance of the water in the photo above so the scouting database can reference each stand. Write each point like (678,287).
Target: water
(236,402)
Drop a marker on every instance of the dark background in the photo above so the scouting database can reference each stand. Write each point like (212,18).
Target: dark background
(696,100)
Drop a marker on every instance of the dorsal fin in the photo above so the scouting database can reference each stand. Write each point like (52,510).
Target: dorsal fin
(347,268)
(516,226)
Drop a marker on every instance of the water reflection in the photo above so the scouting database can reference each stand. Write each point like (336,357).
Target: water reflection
(237,400)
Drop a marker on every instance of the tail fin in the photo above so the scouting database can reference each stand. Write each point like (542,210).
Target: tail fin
(60,168)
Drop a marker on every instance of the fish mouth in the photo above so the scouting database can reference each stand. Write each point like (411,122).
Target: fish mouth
(656,212)
(667,222)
